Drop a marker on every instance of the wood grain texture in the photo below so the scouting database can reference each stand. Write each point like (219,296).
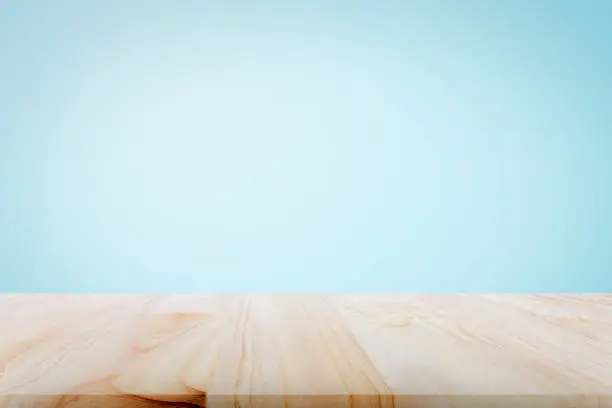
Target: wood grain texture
(305,350)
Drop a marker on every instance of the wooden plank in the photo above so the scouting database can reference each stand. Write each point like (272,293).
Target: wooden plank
(305,350)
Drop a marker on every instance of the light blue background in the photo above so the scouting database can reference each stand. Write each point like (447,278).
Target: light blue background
(198,146)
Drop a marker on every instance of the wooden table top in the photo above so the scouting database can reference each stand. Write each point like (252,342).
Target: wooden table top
(304,350)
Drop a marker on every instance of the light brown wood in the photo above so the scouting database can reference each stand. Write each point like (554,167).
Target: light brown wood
(305,350)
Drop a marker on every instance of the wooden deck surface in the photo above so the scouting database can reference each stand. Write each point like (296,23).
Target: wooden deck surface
(305,350)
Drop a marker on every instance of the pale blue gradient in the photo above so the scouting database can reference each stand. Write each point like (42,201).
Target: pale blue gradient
(199,146)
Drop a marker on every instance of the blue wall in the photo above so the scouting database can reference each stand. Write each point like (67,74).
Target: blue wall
(422,146)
